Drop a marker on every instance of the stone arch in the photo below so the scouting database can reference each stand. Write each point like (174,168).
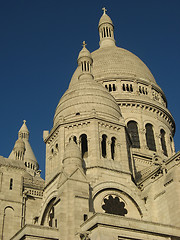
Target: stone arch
(132,119)
(125,193)
(8,223)
(68,136)
(47,214)
(52,196)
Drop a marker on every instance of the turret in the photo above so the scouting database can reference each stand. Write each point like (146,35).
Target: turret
(85,62)
(22,150)
(106,31)
(72,156)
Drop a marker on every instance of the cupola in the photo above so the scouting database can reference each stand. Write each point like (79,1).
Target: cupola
(106,30)
(85,63)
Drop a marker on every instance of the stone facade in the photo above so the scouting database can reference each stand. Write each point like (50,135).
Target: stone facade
(111,167)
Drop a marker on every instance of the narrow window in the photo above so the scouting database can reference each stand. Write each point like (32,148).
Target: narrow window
(85,217)
(131,88)
(113,140)
(163,142)
(134,134)
(84,145)
(171,143)
(110,88)
(140,89)
(56,145)
(11,184)
(75,139)
(103,145)
(106,86)
(114,87)
(127,87)
(104,32)
(123,87)
(107,32)
(82,66)
(150,141)
(55,223)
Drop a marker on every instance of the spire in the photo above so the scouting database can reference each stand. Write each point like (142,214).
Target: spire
(106,30)
(85,62)
(22,150)
(23,132)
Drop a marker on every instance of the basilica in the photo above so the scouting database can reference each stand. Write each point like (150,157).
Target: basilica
(112,172)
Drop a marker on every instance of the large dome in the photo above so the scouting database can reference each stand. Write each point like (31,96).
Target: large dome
(114,62)
(85,98)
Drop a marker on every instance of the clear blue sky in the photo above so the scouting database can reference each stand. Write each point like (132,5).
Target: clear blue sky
(39,44)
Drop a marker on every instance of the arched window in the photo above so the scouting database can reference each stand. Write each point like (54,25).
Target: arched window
(84,145)
(113,142)
(163,142)
(103,145)
(150,137)
(133,132)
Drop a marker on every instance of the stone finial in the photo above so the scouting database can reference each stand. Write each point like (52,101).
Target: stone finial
(84,44)
(104,10)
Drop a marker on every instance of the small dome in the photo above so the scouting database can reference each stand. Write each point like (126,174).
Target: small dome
(105,19)
(84,52)
(84,98)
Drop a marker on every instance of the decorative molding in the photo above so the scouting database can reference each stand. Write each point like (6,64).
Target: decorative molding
(109,126)
(152,109)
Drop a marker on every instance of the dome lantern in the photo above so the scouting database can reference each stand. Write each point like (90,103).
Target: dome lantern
(106,30)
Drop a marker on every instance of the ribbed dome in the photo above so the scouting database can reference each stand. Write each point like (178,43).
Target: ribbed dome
(114,62)
(84,98)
